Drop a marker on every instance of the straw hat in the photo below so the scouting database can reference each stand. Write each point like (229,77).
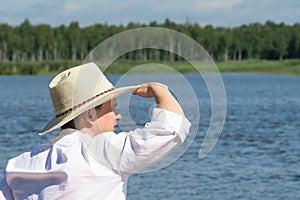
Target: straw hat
(77,90)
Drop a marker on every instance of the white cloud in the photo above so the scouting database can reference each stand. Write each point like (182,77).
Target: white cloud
(12,6)
(72,8)
(215,5)
(88,12)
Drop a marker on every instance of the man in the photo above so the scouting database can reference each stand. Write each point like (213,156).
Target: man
(88,160)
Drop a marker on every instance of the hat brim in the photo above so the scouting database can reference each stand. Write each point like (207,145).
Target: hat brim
(57,122)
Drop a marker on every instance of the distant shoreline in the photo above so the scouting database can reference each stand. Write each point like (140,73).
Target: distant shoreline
(288,66)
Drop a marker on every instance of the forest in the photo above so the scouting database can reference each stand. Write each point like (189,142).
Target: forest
(43,43)
(43,49)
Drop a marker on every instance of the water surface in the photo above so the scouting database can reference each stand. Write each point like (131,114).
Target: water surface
(257,156)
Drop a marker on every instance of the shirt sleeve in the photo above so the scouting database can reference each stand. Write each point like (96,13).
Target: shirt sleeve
(5,191)
(132,151)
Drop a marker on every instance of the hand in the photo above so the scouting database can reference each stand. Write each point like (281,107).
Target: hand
(149,90)
(162,95)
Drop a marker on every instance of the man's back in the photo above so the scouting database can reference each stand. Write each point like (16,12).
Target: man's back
(78,166)
(63,169)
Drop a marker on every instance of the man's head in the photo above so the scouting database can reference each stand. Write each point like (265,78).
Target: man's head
(79,90)
(94,121)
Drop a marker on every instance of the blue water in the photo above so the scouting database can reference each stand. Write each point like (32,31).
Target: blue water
(257,156)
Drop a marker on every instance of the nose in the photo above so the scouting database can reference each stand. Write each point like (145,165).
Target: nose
(118,116)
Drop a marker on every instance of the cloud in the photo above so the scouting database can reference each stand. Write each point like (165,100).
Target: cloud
(37,11)
(262,11)
(75,8)
(88,12)
(215,5)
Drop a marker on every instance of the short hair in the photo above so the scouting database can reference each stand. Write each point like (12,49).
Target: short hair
(71,123)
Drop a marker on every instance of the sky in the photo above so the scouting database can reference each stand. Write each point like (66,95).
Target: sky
(225,13)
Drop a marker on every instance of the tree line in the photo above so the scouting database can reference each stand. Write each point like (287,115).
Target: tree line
(42,42)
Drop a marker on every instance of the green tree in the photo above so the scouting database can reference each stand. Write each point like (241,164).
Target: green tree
(75,42)
(25,32)
(5,32)
(224,40)
(61,44)
(293,47)
(44,42)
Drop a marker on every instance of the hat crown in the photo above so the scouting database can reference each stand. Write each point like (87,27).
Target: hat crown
(76,86)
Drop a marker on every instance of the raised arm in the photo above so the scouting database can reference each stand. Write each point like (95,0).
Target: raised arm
(163,97)
(128,152)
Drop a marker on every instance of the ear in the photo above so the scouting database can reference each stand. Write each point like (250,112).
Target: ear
(90,116)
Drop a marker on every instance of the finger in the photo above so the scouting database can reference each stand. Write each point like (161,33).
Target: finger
(140,89)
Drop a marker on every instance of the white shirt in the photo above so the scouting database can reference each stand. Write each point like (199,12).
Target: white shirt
(77,166)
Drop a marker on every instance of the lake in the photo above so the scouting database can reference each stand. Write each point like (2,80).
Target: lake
(257,155)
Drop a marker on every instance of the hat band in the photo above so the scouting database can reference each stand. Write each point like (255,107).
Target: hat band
(81,104)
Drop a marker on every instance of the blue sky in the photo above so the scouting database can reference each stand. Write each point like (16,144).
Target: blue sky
(226,13)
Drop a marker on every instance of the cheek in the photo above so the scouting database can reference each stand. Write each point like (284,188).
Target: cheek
(109,117)
(107,121)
